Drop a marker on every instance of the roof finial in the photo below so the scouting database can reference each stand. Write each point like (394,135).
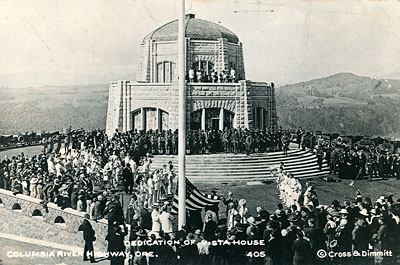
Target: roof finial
(190,10)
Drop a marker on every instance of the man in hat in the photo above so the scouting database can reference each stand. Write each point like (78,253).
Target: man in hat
(156,223)
(140,235)
(302,250)
(145,217)
(127,178)
(230,199)
(114,212)
(16,186)
(316,236)
(166,222)
(130,211)
(88,237)
(6,180)
(361,235)
(115,238)
(135,226)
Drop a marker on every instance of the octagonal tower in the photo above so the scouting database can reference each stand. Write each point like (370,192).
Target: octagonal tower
(218,97)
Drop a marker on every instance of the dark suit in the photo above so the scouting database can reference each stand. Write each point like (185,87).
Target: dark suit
(89,237)
(302,252)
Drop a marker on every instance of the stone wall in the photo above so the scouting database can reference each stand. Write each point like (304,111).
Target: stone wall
(240,98)
(25,216)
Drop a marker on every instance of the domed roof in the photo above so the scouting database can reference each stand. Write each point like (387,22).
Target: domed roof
(197,29)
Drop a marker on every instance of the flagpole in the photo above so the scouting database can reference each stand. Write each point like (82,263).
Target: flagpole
(181,117)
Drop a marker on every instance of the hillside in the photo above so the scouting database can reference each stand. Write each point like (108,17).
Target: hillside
(339,103)
(346,88)
(52,108)
(342,103)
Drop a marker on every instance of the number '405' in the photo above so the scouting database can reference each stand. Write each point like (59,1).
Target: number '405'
(256,254)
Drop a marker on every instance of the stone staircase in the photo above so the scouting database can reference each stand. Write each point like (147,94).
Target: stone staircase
(241,167)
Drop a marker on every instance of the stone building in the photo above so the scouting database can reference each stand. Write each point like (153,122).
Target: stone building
(152,101)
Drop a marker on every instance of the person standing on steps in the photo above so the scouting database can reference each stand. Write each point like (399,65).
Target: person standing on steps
(89,237)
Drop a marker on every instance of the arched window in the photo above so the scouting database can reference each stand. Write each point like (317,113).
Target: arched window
(149,118)
(166,72)
(1,203)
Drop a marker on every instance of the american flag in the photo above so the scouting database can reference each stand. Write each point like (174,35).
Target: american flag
(195,199)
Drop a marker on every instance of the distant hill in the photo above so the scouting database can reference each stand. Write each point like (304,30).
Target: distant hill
(345,85)
(342,102)
(52,108)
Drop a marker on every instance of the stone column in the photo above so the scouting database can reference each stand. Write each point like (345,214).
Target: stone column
(123,84)
(143,116)
(158,119)
(235,121)
(203,119)
(221,119)
(128,109)
(262,124)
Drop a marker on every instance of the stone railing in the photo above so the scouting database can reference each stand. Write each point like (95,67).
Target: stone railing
(67,220)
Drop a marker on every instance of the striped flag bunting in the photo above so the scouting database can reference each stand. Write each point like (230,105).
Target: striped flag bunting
(195,199)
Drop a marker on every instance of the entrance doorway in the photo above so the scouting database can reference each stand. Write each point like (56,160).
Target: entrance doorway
(215,123)
(212,118)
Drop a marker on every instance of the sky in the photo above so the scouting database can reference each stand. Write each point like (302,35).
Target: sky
(59,42)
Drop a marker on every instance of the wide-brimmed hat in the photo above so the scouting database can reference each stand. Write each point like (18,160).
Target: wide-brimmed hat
(364,212)
(344,211)
(141,232)
(34,180)
(190,236)
(251,220)
(293,219)
(242,202)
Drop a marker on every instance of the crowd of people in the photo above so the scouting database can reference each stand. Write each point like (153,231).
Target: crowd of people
(359,164)
(291,235)
(212,76)
(85,171)
(165,142)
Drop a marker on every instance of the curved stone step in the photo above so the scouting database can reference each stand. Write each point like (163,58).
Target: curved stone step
(266,166)
(241,167)
(263,160)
